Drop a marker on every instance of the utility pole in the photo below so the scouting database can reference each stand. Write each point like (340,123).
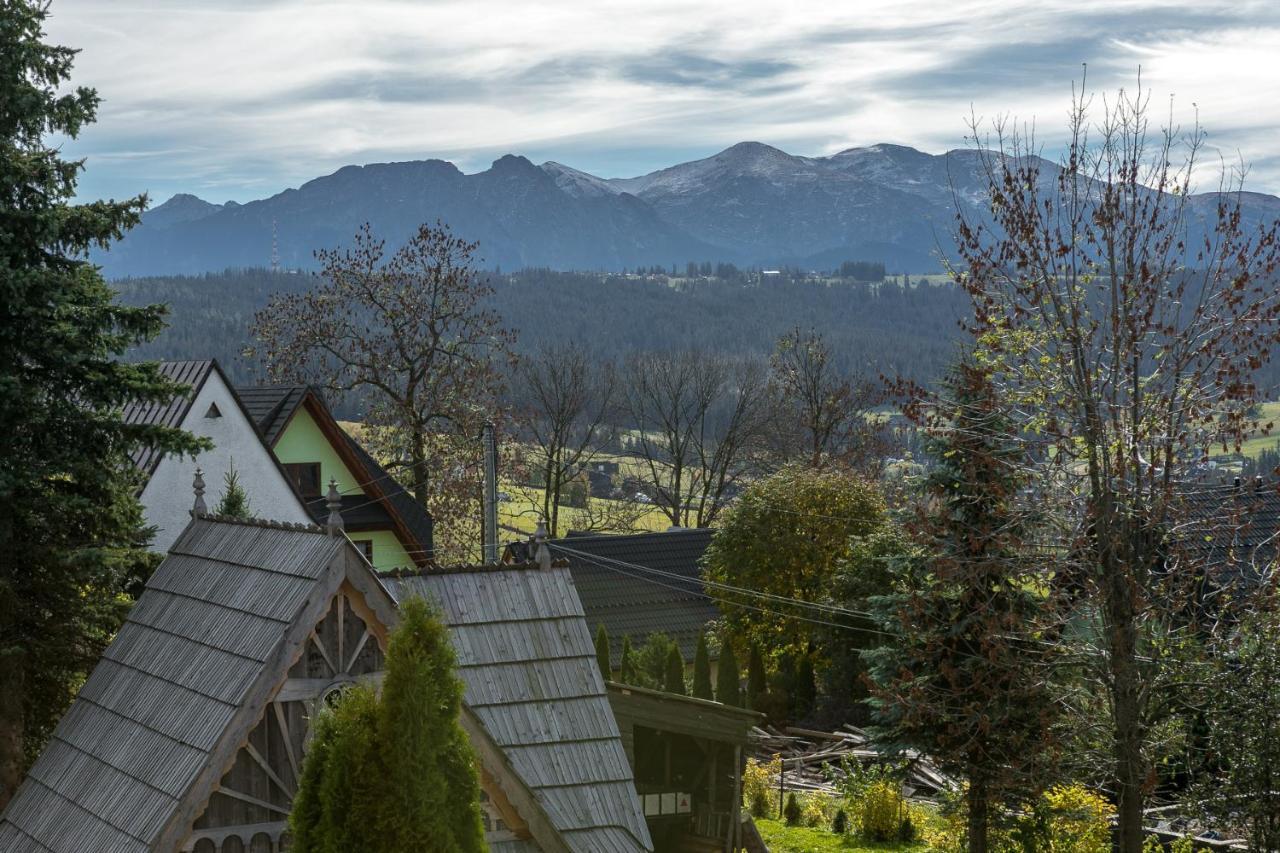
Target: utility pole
(489,530)
(275,248)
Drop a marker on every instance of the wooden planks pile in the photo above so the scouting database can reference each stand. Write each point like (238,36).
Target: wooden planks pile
(810,757)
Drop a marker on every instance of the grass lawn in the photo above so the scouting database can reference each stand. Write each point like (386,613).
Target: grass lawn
(781,838)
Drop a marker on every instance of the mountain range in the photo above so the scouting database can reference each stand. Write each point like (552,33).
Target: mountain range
(750,204)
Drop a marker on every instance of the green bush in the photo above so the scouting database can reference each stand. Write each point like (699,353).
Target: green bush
(882,811)
(792,811)
(760,805)
(840,825)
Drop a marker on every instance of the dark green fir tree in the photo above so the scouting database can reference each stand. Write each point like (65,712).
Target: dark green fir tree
(673,672)
(728,677)
(603,660)
(702,670)
(70,524)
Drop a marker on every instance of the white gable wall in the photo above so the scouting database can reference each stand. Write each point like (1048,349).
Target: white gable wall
(168,498)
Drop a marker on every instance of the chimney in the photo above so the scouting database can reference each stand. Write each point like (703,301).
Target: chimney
(197,485)
(334,526)
(490,526)
(541,553)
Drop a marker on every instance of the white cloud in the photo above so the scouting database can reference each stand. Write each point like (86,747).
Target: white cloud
(231,98)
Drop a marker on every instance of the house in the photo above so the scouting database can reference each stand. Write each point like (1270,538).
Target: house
(639,584)
(213,410)
(531,685)
(391,528)
(190,733)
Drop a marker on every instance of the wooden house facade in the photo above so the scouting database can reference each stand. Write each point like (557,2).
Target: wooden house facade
(190,733)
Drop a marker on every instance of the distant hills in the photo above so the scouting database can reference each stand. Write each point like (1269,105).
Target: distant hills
(750,204)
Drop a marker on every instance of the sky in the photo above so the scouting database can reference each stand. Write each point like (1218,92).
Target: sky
(241,99)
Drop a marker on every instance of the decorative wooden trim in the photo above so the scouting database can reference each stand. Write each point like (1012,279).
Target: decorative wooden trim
(271,774)
(498,797)
(522,799)
(195,799)
(286,736)
(315,639)
(364,638)
(254,801)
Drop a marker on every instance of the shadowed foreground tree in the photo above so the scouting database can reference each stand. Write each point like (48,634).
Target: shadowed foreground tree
(728,677)
(407,332)
(394,773)
(71,530)
(1125,318)
(965,675)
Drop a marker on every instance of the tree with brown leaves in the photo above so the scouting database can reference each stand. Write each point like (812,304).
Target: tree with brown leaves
(1124,319)
(407,331)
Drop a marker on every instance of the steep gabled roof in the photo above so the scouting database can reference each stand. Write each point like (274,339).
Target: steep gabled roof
(170,413)
(163,713)
(1230,532)
(273,406)
(629,601)
(526,658)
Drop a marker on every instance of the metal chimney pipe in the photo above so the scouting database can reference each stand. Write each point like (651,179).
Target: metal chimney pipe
(489,531)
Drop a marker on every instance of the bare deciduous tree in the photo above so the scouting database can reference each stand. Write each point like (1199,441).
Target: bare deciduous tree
(1126,318)
(825,415)
(408,331)
(699,420)
(564,400)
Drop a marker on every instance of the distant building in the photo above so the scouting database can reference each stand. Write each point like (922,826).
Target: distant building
(639,584)
(382,519)
(213,410)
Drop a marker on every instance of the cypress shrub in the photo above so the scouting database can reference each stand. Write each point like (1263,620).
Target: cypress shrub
(602,653)
(804,690)
(728,678)
(394,773)
(702,671)
(673,676)
(628,664)
(792,812)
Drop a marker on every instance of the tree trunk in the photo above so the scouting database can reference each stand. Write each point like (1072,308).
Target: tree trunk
(1122,641)
(979,805)
(11,723)
(421,472)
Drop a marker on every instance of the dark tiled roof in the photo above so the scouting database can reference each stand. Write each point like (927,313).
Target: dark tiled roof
(271,406)
(631,602)
(413,514)
(527,663)
(1230,531)
(211,623)
(170,414)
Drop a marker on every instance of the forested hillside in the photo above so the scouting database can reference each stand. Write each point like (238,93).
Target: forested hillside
(875,328)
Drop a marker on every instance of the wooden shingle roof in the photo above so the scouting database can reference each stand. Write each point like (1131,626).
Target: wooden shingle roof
(150,729)
(171,413)
(632,602)
(526,658)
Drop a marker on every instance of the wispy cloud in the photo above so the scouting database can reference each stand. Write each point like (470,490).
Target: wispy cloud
(242,98)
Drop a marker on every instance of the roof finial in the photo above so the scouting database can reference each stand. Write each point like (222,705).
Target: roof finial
(541,553)
(334,501)
(197,486)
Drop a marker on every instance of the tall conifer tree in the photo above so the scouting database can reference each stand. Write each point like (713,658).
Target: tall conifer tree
(966,676)
(603,660)
(728,677)
(71,528)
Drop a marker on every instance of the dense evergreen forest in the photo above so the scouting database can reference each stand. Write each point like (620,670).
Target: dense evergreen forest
(877,328)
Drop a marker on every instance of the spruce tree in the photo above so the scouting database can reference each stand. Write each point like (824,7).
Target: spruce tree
(602,653)
(728,677)
(70,524)
(964,676)
(673,673)
(804,689)
(702,670)
(394,773)
(756,685)
(235,500)
(627,664)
